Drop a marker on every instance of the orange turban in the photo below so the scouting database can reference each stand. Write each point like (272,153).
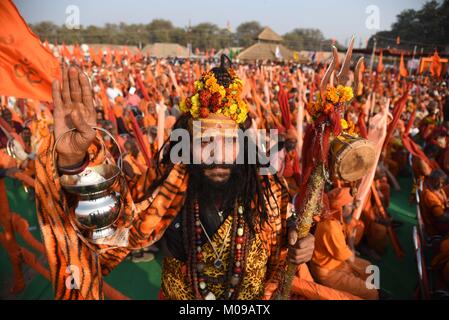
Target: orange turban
(339,197)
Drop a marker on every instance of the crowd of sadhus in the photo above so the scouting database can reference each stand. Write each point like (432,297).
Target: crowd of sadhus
(138,100)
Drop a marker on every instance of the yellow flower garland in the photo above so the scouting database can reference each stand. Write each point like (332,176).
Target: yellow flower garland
(217,98)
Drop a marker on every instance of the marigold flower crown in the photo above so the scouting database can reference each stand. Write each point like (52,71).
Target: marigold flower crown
(334,98)
(211,97)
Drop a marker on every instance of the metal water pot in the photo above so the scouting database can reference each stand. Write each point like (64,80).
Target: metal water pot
(98,204)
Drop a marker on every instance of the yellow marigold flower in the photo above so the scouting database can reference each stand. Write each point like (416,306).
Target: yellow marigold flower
(211,81)
(183,106)
(195,111)
(196,101)
(239,82)
(344,124)
(215,87)
(222,91)
(199,85)
(233,108)
(332,95)
(345,93)
(242,116)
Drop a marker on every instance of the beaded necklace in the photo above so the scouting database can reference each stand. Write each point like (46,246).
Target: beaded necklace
(239,241)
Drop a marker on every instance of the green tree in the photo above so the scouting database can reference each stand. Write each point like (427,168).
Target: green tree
(247,32)
(427,28)
(205,35)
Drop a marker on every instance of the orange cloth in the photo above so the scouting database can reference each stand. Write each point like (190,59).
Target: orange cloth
(27,68)
(348,277)
(330,261)
(435,202)
(137,164)
(6,161)
(376,234)
(331,249)
(402,69)
(356,227)
(339,197)
(304,286)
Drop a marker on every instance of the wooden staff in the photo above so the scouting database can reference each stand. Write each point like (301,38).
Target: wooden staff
(392,234)
(310,207)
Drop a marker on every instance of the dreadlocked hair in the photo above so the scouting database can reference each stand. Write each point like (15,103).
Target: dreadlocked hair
(221,72)
(252,190)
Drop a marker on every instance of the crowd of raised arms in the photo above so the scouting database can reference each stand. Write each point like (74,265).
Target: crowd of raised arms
(198,225)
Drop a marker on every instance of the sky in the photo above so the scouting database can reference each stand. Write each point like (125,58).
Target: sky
(337,19)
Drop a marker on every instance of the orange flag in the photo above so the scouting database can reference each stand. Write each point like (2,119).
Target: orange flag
(380,64)
(77,53)
(118,57)
(435,66)
(402,69)
(100,56)
(27,68)
(94,56)
(65,52)
(108,57)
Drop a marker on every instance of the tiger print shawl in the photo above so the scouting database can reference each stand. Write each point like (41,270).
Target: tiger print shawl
(67,253)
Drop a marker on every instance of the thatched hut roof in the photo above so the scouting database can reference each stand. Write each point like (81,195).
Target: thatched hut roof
(268,34)
(265,51)
(165,50)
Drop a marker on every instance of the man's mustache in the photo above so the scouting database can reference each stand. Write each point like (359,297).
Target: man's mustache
(217,166)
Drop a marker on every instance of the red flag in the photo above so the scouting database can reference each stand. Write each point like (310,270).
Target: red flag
(141,86)
(26,67)
(140,139)
(380,64)
(435,66)
(402,69)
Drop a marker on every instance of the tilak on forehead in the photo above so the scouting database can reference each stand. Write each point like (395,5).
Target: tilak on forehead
(216,107)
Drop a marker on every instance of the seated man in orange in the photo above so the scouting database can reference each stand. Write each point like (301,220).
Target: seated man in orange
(435,203)
(333,263)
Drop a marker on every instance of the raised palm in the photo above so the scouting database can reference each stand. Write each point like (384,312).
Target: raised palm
(74,108)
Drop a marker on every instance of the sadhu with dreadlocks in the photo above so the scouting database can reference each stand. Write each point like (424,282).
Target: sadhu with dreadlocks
(224,227)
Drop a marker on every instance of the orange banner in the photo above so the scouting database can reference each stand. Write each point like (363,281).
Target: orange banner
(380,64)
(27,68)
(402,69)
